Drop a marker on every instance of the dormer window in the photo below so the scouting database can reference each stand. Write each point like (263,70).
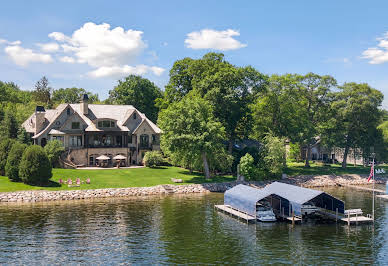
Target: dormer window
(106,124)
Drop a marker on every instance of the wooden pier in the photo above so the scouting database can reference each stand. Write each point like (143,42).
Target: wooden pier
(384,197)
(239,214)
(354,216)
(366,189)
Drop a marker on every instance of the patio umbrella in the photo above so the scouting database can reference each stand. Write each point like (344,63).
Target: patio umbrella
(119,157)
(102,157)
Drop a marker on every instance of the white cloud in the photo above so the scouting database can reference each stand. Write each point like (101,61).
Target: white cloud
(3,41)
(98,45)
(22,56)
(111,52)
(379,54)
(49,47)
(67,59)
(212,39)
(120,71)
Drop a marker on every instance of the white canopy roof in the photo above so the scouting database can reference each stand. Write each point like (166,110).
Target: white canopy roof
(102,157)
(119,157)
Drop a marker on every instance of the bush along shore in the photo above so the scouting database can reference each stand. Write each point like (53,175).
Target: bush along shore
(305,181)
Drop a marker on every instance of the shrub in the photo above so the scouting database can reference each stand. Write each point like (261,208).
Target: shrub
(35,167)
(53,149)
(13,161)
(153,159)
(5,147)
(247,167)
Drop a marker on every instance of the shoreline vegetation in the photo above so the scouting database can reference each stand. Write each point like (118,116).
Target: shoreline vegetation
(148,181)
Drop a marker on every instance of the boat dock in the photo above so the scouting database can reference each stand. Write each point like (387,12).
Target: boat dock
(384,197)
(239,214)
(366,189)
(354,216)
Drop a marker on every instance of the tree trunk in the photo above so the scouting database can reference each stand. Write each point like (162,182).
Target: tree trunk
(230,145)
(205,166)
(345,156)
(308,153)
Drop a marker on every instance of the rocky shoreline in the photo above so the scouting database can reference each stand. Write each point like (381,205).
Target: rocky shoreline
(304,181)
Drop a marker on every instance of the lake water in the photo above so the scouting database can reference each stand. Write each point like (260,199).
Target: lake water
(181,230)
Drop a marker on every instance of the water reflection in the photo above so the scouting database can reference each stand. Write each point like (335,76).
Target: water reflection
(181,229)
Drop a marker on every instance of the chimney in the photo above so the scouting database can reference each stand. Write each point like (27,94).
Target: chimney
(39,118)
(84,104)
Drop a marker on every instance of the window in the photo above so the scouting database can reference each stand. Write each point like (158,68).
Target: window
(129,138)
(154,139)
(75,125)
(106,124)
(60,138)
(144,141)
(68,111)
(75,141)
(134,116)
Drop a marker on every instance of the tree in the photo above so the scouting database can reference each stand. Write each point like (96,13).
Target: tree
(35,166)
(13,161)
(354,118)
(72,95)
(275,154)
(9,126)
(247,167)
(228,89)
(153,159)
(54,149)
(5,147)
(189,128)
(139,92)
(23,136)
(42,92)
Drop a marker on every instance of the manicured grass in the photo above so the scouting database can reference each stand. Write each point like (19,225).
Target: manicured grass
(115,178)
(295,169)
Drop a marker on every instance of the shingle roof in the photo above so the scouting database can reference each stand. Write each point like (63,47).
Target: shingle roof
(120,113)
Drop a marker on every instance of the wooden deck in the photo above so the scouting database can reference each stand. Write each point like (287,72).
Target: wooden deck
(366,189)
(354,216)
(357,219)
(384,197)
(228,209)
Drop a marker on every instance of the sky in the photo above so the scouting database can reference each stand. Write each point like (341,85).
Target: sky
(93,44)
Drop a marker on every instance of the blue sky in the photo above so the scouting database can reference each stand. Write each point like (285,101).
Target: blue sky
(92,44)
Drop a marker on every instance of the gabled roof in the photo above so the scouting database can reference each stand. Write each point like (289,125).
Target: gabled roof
(293,193)
(149,122)
(119,113)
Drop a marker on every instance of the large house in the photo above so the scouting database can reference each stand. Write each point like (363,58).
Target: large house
(88,131)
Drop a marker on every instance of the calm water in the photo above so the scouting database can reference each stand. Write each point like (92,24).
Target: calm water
(181,230)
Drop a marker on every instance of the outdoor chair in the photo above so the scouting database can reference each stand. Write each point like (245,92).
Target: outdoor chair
(88,181)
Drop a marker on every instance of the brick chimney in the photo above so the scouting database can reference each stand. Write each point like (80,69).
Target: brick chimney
(39,118)
(84,104)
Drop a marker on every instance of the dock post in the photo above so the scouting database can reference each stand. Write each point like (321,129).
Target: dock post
(336,214)
(293,219)
(349,219)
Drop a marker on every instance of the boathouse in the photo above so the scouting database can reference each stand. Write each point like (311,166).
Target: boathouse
(245,199)
(284,199)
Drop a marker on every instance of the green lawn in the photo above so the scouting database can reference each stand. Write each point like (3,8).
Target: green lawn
(143,177)
(295,169)
(115,178)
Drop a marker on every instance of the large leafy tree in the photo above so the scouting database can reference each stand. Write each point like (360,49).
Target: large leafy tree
(227,88)
(355,116)
(9,126)
(139,92)
(72,95)
(190,131)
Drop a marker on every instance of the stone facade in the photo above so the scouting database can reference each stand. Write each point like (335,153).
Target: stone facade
(88,131)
